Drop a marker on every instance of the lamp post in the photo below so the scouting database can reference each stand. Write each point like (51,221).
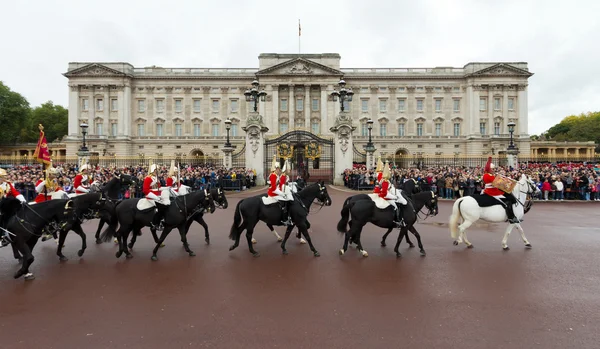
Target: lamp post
(228,127)
(511,130)
(511,150)
(84,127)
(252,95)
(345,94)
(370,148)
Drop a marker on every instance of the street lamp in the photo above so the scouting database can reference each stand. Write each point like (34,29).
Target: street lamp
(511,129)
(228,127)
(370,128)
(252,95)
(84,127)
(345,94)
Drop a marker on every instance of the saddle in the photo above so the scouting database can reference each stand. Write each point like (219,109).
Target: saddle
(145,204)
(484,200)
(380,203)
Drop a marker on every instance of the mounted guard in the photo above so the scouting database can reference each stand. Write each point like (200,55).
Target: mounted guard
(274,192)
(153,194)
(388,192)
(9,191)
(500,187)
(379,176)
(46,188)
(173,181)
(81,181)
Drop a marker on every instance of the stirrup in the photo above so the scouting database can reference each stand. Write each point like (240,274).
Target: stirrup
(5,240)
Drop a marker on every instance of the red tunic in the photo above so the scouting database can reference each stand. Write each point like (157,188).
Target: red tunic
(385,185)
(377,188)
(488,178)
(41,197)
(282,181)
(79,182)
(11,192)
(172,182)
(147,188)
(272,184)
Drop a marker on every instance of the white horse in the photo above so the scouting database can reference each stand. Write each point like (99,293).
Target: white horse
(468,208)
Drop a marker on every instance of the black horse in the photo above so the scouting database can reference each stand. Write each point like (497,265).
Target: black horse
(410,187)
(111,191)
(250,211)
(365,211)
(176,216)
(26,224)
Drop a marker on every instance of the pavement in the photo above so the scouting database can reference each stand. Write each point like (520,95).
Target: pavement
(545,297)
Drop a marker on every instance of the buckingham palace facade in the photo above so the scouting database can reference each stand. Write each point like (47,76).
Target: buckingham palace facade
(159,111)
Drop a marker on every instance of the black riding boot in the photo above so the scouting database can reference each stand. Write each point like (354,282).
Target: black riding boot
(286,213)
(399,218)
(157,221)
(511,214)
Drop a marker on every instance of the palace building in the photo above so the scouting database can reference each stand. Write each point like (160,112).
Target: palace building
(155,111)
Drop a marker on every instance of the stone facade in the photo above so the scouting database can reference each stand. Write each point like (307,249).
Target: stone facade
(174,111)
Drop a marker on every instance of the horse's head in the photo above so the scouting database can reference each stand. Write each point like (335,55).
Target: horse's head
(9,206)
(526,185)
(208,203)
(127,180)
(218,196)
(432,204)
(323,195)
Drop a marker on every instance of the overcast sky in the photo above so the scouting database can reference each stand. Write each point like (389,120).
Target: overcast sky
(559,39)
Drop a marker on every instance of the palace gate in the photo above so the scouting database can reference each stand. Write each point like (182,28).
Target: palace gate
(309,155)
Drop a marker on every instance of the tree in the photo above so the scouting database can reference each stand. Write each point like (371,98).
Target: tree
(55,119)
(583,127)
(14,115)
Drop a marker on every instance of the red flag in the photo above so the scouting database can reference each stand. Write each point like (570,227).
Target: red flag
(42,154)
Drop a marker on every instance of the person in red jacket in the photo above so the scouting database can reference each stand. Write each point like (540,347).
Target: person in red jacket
(9,191)
(489,189)
(387,193)
(81,181)
(152,191)
(378,176)
(173,181)
(50,188)
(275,192)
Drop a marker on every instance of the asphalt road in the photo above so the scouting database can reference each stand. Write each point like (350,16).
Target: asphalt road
(546,297)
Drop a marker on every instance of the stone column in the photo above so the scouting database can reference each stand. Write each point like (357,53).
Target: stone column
(307,107)
(342,130)
(291,108)
(227,160)
(255,149)
(522,115)
(74,110)
(275,115)
(323,108)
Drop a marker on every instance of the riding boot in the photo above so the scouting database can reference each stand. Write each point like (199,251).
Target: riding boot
(4,237)
(399,219)
(285,213)
(511,214)
(157,221)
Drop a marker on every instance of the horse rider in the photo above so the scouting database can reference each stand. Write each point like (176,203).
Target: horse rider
(379,176)
(81,181)
(9,191)
(275,192)
(173,182)
(151,190)
(387,193)
(49,184)
(489,189)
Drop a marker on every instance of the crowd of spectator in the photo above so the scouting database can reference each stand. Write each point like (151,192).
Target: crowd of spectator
(564,181)
(202,177)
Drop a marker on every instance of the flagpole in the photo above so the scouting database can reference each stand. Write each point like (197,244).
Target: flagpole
(299,35)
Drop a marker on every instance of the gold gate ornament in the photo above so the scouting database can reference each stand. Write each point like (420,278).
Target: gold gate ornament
(312,151)
(285,151)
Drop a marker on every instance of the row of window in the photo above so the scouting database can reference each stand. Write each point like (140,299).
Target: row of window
(483,105)
(438,129)
(114,104)
(315,127)
(159,128)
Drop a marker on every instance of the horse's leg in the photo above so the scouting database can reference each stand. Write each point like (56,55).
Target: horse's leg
(163,236)
(302,228)
(279,239)
(410,244)
(237,238)
(383,244)
(403,232)
(462,236)
(299,234)
(27,259)
(507,232)
(134,236)
(358,242)
(525,241)
(288,232)
(418,236)
(16,253)
(122,239)
(79,231)
(100,225)
(61,240)
(249,232)
(183,234)
(205,226)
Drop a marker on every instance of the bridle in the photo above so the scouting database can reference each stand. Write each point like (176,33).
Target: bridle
(430,209)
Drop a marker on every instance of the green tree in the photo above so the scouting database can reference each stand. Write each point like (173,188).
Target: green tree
(55,119)
(583,127)
(14,115)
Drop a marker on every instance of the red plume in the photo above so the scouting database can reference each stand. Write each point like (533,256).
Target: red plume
(487,165)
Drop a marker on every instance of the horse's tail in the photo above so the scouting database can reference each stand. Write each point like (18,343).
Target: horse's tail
(454,217)
(237,220)
(343,223)
(111,230)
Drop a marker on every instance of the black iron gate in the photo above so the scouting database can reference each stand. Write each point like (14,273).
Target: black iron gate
(239,159)
(310,156)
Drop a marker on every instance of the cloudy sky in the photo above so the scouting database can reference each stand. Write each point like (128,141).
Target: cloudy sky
(559,39)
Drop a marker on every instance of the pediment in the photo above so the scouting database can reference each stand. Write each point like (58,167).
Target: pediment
(197,119)
(299,67)
(402,119)
(178,118)
(94,69)
(501,69)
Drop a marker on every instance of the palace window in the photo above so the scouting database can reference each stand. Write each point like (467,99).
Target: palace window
(382,105)
(141,105)
(401,105)
(234,105)
(364,129)
(438,129)
(456,105)
(234,130)
(141,130)
(99,104)
(511,104)
(456,129)
(178,105)
(364,105)
(99,128)
(283,127)
(482,104)
(299,104)
(215,130)
(197,130)
(419,105)
(482,128)
(497,128)
(497,104)
(178,130)
(159,130)
(438,105)
(197,106)
(401,130)
(315,104)
(283,105)
(114,104)
(315,127)
(84,104)
(113,129)
(216,106)
(419,129)
(160,105)
(383,130)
